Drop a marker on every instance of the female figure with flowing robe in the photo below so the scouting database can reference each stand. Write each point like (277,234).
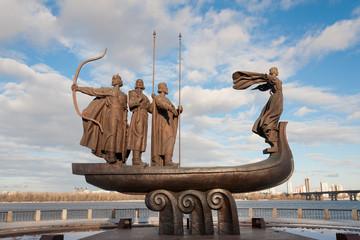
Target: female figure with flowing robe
(267,124)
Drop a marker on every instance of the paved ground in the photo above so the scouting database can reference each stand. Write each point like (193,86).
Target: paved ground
(42,227)
(152,233)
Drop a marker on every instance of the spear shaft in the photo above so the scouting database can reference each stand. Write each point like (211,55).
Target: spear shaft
(154,107)
(153,63)
(179,98)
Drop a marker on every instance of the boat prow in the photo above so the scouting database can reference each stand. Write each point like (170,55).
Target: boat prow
(265,174)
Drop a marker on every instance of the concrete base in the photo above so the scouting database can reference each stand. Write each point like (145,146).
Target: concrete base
(153,233)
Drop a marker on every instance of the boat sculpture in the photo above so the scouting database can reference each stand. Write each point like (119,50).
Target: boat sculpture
(273,171)
(195,191)
(174,191)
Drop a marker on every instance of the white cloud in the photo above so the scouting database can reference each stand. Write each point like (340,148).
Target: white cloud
(103,25)
(303,111)
(255,5)
(355,115)
(331,175)
(29,20)
(215,41)
(279,41)
(40,126)
(199,101)
(356,11)
(287,4)
(36,105)
(321,132)
(204,149)
(53,164)
(347,162)
(321,97)
(343,34)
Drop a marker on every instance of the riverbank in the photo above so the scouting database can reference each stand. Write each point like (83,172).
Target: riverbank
(100,196)
(67,197)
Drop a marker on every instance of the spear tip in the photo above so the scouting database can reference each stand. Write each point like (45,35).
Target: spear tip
(154,33)
(179,35)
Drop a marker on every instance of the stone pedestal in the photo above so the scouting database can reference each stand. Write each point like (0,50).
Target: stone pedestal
(198,204)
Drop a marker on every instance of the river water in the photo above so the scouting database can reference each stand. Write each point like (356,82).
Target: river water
(310,204)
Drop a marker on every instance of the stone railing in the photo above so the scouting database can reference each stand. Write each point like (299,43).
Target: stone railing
(144,213)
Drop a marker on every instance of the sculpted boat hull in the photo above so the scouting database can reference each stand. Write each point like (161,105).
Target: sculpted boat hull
(245,178)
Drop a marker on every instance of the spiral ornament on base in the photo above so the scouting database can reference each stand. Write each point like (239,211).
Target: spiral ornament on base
(170,217)
(194,202)
(223,201)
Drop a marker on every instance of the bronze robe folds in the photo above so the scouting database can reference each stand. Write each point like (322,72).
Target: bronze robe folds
(268,121)
(139,121)
(109,108)
(164,130)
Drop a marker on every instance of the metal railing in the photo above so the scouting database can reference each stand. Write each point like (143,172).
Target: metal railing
(287,213)
(50,215)
(341,214)
(313,213)
(136,213)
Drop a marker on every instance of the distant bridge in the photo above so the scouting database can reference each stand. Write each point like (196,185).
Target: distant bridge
(333,194)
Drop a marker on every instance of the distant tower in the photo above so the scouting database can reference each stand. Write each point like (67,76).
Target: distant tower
(289,187)
(307,184)
(324,186)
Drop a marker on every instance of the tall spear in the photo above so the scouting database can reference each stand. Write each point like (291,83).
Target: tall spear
(153,63)
(179,97)
(153,103)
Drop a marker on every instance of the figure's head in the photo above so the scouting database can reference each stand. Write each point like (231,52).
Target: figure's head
(274,71)
(116,80)
(139,84)
(162,87)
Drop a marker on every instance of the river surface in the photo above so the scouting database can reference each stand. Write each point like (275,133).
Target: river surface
(326,204)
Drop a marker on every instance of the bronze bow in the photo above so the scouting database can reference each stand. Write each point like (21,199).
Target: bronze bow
(74,91)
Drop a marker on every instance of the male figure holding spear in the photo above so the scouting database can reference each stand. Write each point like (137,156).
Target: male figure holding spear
(165,117)
(165,120)
(140,106)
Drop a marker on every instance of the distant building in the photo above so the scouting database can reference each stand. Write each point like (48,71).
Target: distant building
(272,191)
(302,189)
(324,187)
(100,191)
(289,187)
(307,184)
(80,190)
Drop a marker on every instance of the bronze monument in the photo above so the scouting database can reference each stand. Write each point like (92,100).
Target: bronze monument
(266,125)
(163,133)
(196,191)
(109,108)
(140,106)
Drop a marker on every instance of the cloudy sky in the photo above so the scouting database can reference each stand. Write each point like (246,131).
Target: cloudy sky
(314,44)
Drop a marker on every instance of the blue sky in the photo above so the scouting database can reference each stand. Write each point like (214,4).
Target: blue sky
(314,44)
